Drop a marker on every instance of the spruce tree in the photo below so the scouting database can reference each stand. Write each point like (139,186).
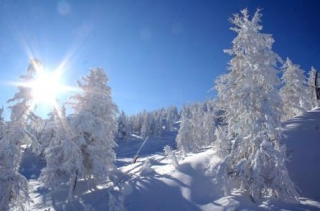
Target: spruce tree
(293,91)
(252,108)
(13,185)
(94,126)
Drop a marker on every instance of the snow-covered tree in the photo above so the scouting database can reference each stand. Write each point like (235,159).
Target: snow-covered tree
(311,93)
(171,155)
(172,116)
(196,128)
(94,126)
(203,124)
(13,185)
(60,151)
(252,108)
(124,128)
(184,140)
(293,92)
(146,125)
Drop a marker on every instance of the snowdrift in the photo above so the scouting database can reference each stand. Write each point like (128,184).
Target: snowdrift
(302,137)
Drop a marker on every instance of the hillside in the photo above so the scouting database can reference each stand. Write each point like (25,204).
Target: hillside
(152,183)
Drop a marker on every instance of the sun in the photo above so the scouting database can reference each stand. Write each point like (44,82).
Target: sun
(46,87)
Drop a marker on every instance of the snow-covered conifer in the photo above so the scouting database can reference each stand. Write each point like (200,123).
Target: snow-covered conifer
(146,125)
(62,155)
(196,128)
(171,155)
(94,125)
(172,116)
(184,140)
(293,92)
(124,129)
(252,108)
(14,186)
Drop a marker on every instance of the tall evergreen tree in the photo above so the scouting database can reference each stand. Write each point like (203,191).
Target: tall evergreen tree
(293,92)
(94,126)
(13,185)
(184,140)
(248,94)
(62,154)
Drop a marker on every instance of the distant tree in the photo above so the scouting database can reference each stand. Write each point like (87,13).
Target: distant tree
(184,139)
(14,186)
(157,126)
(124,129)
(197,127)
(94,126)
(252,108)
(172,116)
(311,93)
(203,124)
(146,125)
(293,91)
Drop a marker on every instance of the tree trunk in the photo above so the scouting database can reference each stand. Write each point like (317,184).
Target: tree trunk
(73,184)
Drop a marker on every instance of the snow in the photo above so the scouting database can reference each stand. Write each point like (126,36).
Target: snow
(153,183)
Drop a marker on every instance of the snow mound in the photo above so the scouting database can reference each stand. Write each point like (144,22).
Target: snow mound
(303,143)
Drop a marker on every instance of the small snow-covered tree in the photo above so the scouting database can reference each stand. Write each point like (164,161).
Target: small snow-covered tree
(172,116)
(184,140)
(203,124)
(196,128)
(171,155)
(124,129)
(94,126)
(62,154)
(13,185)
(252,108)
(311,93)
(293,92)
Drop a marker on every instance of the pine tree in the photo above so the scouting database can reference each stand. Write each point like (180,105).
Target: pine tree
(184,139)
(252,109)
(62,155)
(13,185)
(171,117)
(146,125)
(94,125)
(293,92)
(123,126)
(197,127)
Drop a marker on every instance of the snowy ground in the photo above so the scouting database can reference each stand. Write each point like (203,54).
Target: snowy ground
(160,186)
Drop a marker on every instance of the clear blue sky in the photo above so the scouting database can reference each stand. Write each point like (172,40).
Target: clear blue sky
(156,53)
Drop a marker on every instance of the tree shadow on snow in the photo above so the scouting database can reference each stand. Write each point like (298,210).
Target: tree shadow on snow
(150,193)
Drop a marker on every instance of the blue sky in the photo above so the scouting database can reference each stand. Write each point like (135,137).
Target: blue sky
(156,53)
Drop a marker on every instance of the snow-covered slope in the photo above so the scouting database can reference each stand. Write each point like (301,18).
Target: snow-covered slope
(303,146)
(153,183)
